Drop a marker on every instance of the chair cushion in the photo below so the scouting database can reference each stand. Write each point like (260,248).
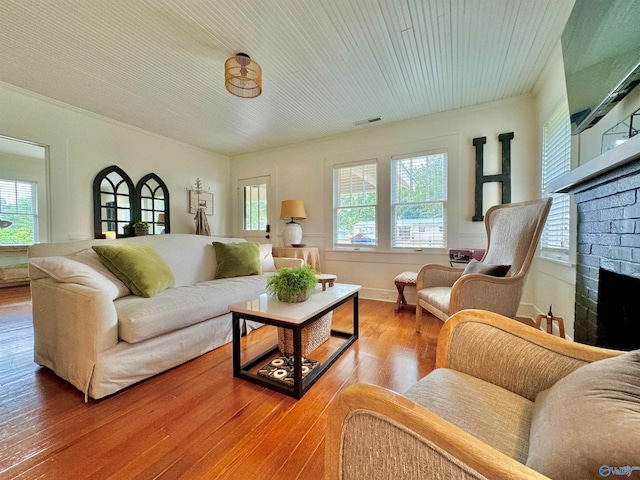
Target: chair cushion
(237,259)
(474,266)
(437,297)
(589,422)
(140,267)
(490,413)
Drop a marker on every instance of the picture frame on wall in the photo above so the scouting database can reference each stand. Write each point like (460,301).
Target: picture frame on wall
(200,200)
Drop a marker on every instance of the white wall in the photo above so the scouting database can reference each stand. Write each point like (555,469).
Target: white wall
(81,144)
(301,172)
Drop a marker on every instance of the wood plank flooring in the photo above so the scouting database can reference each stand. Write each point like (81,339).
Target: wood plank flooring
(196,420)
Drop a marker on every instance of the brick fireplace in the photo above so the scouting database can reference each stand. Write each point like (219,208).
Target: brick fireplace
(607,194)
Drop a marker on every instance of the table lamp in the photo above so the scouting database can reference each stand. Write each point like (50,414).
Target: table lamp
(292,232)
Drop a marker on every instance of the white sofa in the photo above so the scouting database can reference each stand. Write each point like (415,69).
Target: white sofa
(91,331)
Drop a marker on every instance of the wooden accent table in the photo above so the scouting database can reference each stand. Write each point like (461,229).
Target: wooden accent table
(550,321)
(310,255)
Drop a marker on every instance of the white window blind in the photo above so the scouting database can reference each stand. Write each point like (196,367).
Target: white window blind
(418,200)
(355,200)
(556,160)
(18,212)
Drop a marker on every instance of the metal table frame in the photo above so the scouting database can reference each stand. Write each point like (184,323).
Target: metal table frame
(300,385)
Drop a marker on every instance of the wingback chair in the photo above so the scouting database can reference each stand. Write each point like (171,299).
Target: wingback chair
(513,232)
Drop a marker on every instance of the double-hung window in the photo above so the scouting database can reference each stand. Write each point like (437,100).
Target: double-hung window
(418,200)
(556,160)
(355,203)
(18,212)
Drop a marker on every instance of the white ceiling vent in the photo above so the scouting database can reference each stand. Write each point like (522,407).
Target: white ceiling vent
(369,120)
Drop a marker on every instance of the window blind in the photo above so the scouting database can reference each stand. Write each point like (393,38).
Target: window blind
(556,160)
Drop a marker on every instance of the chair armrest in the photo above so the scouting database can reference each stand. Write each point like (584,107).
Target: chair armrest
(434,275)
(282,262)
(373,432)
(472,291)
(510,354)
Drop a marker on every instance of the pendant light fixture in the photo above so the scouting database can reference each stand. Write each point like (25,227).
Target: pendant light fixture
(243,76)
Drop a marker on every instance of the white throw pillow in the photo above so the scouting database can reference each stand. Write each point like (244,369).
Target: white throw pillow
(84,268)
(266,258)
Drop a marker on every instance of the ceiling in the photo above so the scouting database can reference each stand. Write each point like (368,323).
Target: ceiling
(159,64)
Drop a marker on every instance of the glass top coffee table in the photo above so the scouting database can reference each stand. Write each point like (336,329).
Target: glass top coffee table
(293,316)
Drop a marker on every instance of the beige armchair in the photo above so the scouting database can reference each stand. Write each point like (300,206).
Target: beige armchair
(475,416)
(513,231)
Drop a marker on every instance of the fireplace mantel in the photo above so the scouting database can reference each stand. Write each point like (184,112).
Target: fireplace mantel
(622,154)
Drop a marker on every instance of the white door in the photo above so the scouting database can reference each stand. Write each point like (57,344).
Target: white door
(256,208)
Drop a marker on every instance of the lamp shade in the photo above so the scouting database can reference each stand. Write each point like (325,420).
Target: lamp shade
(160,218)
(243,76)
(292,209)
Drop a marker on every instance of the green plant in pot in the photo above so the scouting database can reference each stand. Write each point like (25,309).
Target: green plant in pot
(140,228)
(292,285)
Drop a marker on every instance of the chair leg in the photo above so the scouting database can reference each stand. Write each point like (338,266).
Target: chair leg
(418,316)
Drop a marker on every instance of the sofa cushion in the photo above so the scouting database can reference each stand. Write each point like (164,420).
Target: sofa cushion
(588,421)
(267,264)
(474,266)
(175,308)
(237,259)
(140,267)
(490,413)
(85,269)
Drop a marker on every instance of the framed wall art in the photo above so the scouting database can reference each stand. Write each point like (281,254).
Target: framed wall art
(200,200)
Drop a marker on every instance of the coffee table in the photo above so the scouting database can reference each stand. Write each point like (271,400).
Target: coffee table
(294,316)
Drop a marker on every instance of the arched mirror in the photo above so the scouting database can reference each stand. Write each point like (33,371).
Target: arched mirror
(152,198)
(112,202)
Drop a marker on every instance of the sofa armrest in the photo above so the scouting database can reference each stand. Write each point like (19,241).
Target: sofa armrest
(510,354)
(375,433)
(434,275)
(72,324)
(282,262)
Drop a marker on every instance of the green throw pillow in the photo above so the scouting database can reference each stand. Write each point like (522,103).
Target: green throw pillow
(237,259)
(138,266)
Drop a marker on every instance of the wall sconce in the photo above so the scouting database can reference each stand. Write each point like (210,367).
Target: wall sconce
(292,232)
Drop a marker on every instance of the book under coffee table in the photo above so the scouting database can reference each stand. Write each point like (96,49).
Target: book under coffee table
(295,317)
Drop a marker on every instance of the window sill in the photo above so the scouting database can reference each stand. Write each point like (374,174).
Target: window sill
(559,260)
(14,248)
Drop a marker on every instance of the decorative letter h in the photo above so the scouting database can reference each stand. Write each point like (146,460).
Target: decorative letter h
(504,178)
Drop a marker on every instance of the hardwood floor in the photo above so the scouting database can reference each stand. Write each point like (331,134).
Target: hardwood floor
(196,420)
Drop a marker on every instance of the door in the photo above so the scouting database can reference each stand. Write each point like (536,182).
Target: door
(256,207)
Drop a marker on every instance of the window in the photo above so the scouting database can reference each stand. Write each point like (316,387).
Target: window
(556,160)
(355,200)
(254,216)
(18,212)
(418,200)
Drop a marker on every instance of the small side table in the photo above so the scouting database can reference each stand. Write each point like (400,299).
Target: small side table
(405,279)
(326,278)
(310,255)
(550,320)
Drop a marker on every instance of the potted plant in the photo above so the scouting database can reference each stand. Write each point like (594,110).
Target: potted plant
(140,228)
(292,285)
